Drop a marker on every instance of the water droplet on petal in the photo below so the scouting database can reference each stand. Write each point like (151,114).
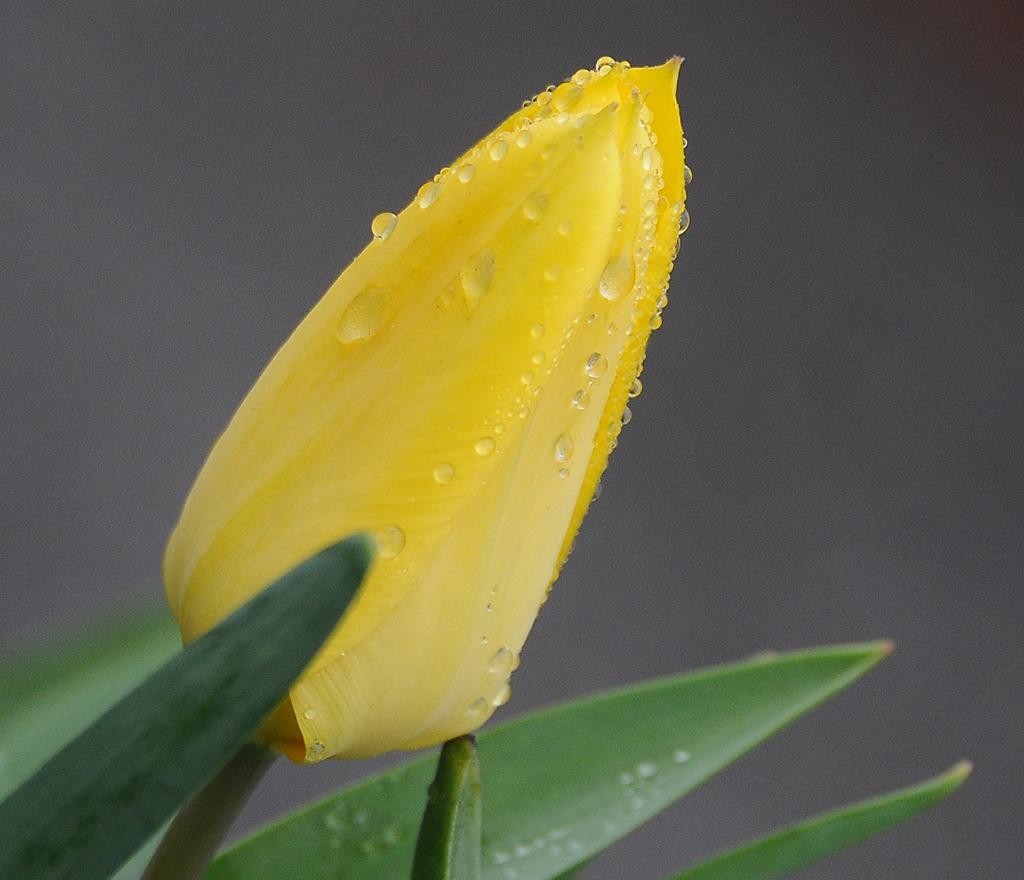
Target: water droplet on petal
(537,331)
(565,227)
(523,138)
(390,541)
(564,448)
(535,206)
(646,770)
(466,172)
(684,222)
(476,277)
(552,272)
(501,662)
(537,358)
(383,225)
(498,150)
(478,707)
(563,473)
(484,446)
(636,388)
(681,756)
(565,96)
(364,315)
(687,174)
(596,365)
(503,695)
(428,194)
(310,713)
(616,279)
(627,416)
(444,474)
(580,400)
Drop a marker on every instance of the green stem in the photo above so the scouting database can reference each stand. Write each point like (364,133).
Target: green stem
(192,839)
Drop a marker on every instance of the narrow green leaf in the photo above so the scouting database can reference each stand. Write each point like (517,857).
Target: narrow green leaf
(448,847)
(797,847)
(51,693)
(565,783)
(93,805)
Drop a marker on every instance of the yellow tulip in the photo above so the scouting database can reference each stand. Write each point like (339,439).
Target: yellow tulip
(456,392)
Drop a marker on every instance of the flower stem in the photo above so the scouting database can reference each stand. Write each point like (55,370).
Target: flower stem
(193,837)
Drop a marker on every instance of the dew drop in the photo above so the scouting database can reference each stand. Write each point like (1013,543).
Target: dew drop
(636,388)
(466,172)
(580,400)
(523,138)
(309,714)
(383,225)
(565,96)
(646,770)
(390,541)
(681,756)
(428,194)
(564,448)
(687,174)
(537,358)
(526,378)
(365,315)
(627,416)
(647,158)
(484,446)
(478,707)
(537,331)
(499,428)
(563,473)
(552,272)
(476,277)
(684,222)
(316,750)
(502,696)
(565,227)
(498,150)
(596,365)
(535,206)
(501,662)
(655,322)
(616,279)
(444,474)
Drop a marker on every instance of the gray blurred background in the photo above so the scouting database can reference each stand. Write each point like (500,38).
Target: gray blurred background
(829,444)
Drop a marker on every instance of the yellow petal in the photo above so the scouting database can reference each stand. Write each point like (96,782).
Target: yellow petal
(456,392)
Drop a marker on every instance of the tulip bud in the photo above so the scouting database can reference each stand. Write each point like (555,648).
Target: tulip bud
(456,393)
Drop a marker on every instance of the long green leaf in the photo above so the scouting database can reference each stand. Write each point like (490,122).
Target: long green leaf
(52,693)
(564,783)
(448,847)
(797,847)
(88,809)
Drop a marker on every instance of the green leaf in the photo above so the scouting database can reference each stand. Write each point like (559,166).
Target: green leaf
(796,847)
(448,847)
(51,693)
(565,783)
(93,805)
